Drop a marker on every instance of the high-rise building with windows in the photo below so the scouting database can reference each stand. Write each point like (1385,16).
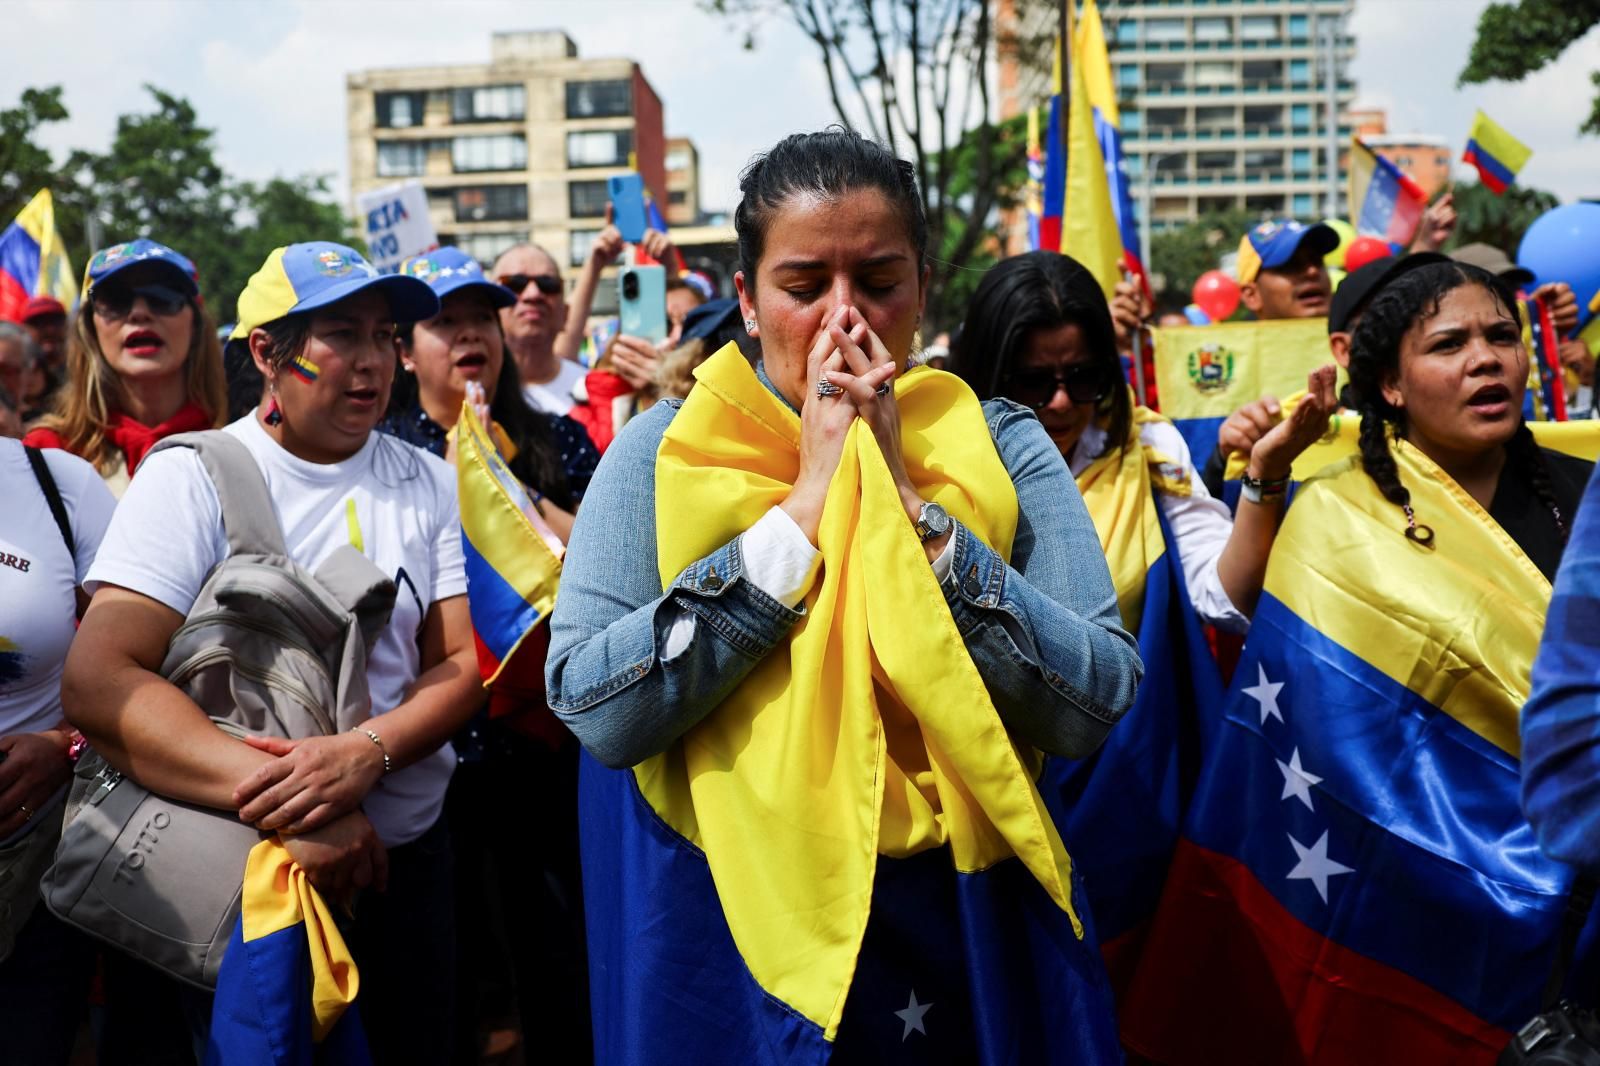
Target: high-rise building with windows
(515,149)
(1227,103)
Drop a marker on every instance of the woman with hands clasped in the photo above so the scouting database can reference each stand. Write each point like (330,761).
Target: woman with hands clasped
(815,635)
(359,810)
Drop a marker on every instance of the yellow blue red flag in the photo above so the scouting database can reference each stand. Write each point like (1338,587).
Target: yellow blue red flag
(1385,201)
(1497,155)
(33,259)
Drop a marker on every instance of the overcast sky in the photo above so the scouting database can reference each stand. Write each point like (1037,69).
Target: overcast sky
(269,77)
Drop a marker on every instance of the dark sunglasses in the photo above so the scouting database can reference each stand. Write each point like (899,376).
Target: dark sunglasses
(1036,388)
(548,284)
(116,301)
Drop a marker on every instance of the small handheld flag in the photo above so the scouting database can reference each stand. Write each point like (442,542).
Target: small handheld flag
(33,259)
(1384,200)
(1497,155)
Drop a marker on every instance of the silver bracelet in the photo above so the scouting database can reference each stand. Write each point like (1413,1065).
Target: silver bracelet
(388,764)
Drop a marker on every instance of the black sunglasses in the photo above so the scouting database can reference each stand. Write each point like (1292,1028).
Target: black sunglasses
(116,301)
(1084,383)
(548,284)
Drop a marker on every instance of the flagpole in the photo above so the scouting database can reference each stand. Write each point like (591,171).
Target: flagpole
(1064,28)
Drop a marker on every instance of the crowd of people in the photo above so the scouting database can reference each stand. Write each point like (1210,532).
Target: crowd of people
(845,651)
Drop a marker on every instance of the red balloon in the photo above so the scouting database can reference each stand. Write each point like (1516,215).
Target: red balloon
(1364,250)
(1216,294)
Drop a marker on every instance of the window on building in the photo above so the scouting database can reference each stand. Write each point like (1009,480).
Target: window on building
(1258,27)
(488,103)
(599,99)
(1300,162)
(1211,118)
(1263,159)
(1133,122)
(491,203)
(1272,205)
(1127,75)
(1263,116)
(1299,72)
(484,247)
(679,159)
(1300,116)
(587,199)
(1172,163)
(677,197)
(1304,205)
(505,151)
(599,148)
(1258,70)
(581,241)
(1165,31)
(1214,160)
(1166,118)
(396,111)
(1213,29)
(1299,28)
(1133,165)
(1163,74)
(1126,33)
(1215,73)
(402,159)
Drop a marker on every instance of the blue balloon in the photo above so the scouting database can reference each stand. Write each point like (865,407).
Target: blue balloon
(1564,245)
(1196,316)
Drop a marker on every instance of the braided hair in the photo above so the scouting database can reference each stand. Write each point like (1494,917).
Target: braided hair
(1375,359)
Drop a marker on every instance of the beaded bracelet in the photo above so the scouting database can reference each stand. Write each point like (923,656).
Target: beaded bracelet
(376,739)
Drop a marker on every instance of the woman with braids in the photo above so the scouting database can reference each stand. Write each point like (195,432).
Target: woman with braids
(516,873)
(817,624)
(359,810)
(1357,880)
(1039,333)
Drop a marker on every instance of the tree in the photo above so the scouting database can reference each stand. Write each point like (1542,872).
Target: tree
(25,168)
(1498,220)
(1181,255)
(1516,39)
(912,75)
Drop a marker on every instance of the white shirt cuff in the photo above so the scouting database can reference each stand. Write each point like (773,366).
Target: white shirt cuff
(945,560)
(778,559)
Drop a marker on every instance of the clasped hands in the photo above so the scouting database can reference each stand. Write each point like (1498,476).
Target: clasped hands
(849,355)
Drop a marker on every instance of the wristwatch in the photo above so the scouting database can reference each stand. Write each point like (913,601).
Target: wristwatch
(1262,490)
(933,522)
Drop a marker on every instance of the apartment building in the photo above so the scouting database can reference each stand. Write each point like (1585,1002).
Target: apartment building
(514,149)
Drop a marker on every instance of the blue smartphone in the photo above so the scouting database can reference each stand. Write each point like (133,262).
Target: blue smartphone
(627,202)
(642,302)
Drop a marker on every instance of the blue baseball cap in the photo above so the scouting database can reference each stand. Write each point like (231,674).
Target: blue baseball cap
(448,270)
(305,277)
(1272,244)
(108,262)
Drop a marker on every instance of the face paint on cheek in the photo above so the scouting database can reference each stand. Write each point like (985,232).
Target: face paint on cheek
(305,369)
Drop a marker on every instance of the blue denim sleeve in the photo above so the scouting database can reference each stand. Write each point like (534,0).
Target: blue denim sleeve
(1561,723)
(604,676)
(1044,632)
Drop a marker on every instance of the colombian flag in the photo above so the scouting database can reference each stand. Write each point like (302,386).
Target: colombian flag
(33,259)
(1384,200)
(1497,155)
(513,564)
(1121,810)
(1356,881)
(287,989)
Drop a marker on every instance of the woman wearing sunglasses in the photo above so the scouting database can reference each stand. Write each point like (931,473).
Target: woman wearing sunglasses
(143,362)
(1038,332)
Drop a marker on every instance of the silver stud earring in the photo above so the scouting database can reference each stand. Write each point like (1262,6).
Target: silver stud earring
(750,326)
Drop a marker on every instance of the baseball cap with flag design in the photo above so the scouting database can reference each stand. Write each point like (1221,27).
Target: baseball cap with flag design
(1272,244)
(448,270)
(317,274)
(107,262)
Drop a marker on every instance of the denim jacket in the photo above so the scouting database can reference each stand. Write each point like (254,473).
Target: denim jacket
(1043,632)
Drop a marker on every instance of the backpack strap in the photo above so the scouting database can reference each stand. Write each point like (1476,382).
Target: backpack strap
(52,496)
(248,517)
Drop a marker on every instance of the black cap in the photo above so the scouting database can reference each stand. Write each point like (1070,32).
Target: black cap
(1359,286)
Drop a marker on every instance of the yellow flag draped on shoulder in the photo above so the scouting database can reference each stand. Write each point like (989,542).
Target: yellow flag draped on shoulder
(869,732)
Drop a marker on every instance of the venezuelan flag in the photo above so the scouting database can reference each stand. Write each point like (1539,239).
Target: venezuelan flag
(1205,373)
(1497,155)
(1093,233)
(286,993)
(1356,881)
(513,568)
(1384,200)
(1120,811)
(33,259)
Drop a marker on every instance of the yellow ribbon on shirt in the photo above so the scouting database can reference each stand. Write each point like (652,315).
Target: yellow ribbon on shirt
(868,731)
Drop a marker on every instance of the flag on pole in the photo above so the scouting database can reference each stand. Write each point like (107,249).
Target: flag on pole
(1089,231)
(1091,57)
(1033,192)
(1384,200)
(33,259)
(1055,168)
(1497,155)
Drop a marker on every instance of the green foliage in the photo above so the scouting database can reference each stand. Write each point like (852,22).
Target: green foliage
(1497,220)
(1181,255)
(959,279)
(160,178)
(1516,39)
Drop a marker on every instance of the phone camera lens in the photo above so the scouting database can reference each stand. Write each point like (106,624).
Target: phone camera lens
(630,285)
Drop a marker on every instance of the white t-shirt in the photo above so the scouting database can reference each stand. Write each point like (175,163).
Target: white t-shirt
(38,576)
(397,502)
(555,396)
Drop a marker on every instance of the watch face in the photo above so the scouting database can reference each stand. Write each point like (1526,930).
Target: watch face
(933,521)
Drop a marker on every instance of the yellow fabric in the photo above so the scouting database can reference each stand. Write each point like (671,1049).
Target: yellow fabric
(1457,623)
(1119,490)
(352,522)
(1212,371)
(1580,440)
(277,895)
(1089,230)
(268,295)
(1089,46)
(38,219)
(869,731)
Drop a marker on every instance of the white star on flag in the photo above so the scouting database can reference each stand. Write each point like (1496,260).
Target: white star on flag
(912,1016)
(1266,694)
(1315,866)
(1297,782)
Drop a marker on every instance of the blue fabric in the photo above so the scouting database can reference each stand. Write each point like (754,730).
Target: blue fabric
(109,261)
(19,257)
(1561,723)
